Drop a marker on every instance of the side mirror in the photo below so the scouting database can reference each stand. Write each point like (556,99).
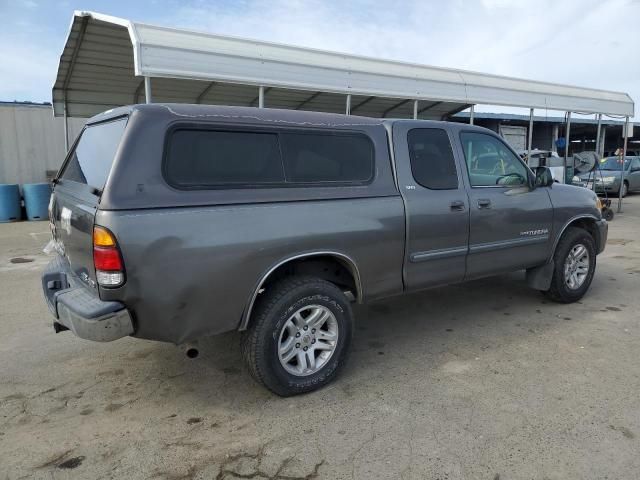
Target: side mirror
(544,177)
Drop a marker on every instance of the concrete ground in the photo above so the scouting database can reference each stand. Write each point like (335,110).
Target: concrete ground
(484,380)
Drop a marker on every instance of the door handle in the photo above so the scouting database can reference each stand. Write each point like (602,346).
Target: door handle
(484,203)
(457,205)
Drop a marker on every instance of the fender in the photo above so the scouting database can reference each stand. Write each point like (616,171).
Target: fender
(566,225)
(350,264)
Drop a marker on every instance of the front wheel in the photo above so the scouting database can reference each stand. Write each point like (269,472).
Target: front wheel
(575,264)
(299,336)
(625,189)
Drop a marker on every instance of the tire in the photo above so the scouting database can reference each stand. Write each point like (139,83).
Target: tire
(625,189)
(560,290)
(607,214)
(279,319)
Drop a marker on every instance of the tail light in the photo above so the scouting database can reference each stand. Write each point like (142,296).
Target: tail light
(107,259)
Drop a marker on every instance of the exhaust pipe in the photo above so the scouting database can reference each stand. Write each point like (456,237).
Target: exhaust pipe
(190,349)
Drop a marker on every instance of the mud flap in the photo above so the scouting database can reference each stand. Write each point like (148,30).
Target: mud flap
(540,277)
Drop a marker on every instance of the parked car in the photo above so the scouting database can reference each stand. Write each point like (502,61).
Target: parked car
(608,175)
(173,222)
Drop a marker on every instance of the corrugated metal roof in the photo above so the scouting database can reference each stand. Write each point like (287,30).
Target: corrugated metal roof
(105,59)
(538,118)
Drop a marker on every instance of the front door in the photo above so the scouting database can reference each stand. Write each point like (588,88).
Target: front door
(436,206)
(510,222)
(633,175)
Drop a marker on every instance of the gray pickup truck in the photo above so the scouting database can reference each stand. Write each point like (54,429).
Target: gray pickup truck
(173,222)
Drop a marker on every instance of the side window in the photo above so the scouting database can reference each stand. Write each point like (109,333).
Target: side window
(490,162)
(431,156)
(635,165)
(205,158)
(326,158)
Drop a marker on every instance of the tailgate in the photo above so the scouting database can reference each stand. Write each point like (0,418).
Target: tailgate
(72,216)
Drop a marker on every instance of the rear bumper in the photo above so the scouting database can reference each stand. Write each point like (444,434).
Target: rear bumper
(603,233)
(80,310)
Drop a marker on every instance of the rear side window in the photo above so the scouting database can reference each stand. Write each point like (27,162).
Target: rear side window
(432,162)
(209,159)
(91,161)
(314,158)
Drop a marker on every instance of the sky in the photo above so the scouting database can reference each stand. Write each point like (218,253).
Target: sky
(591,43)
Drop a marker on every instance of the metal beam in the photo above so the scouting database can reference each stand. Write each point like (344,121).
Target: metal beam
(415,109)
(397,105)
(429,107)
(205,91)
(362,103)
(147,90)
(603,141)
(66,123)
(472,112)
(567,137)
(347,108)
(598,129)
(529,140)
(625,133)
(74,55)
(260,98)
(67,78)
(308,100)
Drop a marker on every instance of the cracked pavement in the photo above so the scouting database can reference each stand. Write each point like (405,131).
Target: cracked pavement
(485,380)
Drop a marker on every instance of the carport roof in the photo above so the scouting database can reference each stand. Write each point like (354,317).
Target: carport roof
(105,60)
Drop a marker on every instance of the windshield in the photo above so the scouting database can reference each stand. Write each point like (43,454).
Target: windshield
(614,163)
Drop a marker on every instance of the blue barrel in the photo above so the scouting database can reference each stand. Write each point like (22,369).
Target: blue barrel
(10,210)
(36,200)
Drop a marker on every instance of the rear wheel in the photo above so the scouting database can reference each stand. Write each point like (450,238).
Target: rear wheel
(575,263)
(299,336)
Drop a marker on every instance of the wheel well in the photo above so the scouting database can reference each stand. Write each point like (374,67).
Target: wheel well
(588,224)
(327,267)
(336,269)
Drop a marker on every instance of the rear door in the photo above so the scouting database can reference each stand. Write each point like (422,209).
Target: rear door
(436,204)
(77,193)
(510,222)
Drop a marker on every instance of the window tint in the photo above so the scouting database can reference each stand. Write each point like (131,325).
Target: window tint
(490,162)
(210,158)
(205,158)
(318,158)
(93,156)
(432,162)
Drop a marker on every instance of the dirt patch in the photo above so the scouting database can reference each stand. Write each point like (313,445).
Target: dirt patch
(72,463)
(21,260)
(618,241)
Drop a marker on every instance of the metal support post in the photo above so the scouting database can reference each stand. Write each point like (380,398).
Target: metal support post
(471,114)
(261,97)
(567,136)
(415,109)
(66,125)
(147,90)
(530,139)
(347,108)
(624,156)
(599,118)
